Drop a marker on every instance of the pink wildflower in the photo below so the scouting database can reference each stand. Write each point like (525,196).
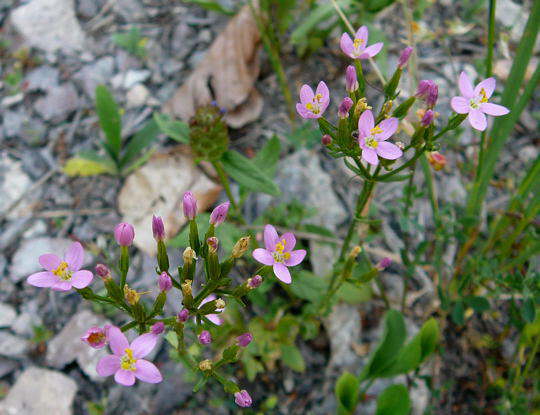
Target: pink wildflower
(158,229)
(357,48)
(279,253)
(404,57)
(243,399)
(164,281)
(205,337)
(62,275)
(351,80)
(372,139)
(214,318)
(475,101)
(127,363)
(313,105)
(96,337)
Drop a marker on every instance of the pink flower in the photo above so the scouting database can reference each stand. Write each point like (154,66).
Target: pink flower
(427,118)
(157,328)
(357,48)
(158,229)
(428,91)
(243,399)
(313,105)
(404,57)
(190,206)
(164,281)
(254,282)
(124,233)
(279,253)
(475,102)
(96,337)
(383,264)
(183,315)
(372,139)
(219,214)
(214,318)
(244,339)
(205,337)
(126,362)
(62,275)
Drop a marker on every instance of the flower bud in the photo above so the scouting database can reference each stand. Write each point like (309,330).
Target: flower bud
(220,304)
(254,282)
(344,107)
(158,229)
(428,91)
(326,140)
(355,251)
(103,271)
(124,233)
(351,80)
(404,57)
(361,106)
(383,264)
(189,206)
(164,282)
(218,215)
(241,247)
(244,339)
(243,399)
(131,296)
(183,316)
(213,244)
(205,337)
(205,365)
(437,160)
(95,337)
(189,255)
(158,328)
(427,118)
(186,288)
(387,107)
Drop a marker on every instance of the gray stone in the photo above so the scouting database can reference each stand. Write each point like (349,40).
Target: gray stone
(34,164)
(99,72)
(6,366)
(130,10)
(511,15)
(13,183)
(343,328)
(137,96)
(13,121)
(128,79)
(89,8)
(322,257)
(45,78)
(454,191)
(3,264)
(25,260)
(11,100)
(7,315)
(24,324)
(33,131)
(12,346)
(172,393)
(67,346)
(11,231)
(58,103)
(40,391)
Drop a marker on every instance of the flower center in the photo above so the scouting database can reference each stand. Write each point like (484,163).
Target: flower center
(96,338)
(127,362)
(371,142)
(278,254)
(358,42)
(481,99)
(315,105)
(62,271)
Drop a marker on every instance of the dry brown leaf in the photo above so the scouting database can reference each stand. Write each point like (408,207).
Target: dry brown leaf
(230,67)
(157,188)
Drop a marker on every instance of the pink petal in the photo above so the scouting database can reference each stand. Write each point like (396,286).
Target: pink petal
(370,156)
(493,109)
(143,345)
(322,89)
(388,127)
(124,377)
(282,273)
(460,105)
(117,341)
(81,279)
(60,285)
(263,256)
(362,33)
(147,372)
(465,86)
(211,297)
(74,256)
(488,85)
(388,150)
(296,257)
(346,44)
(290,241)
(49,261)
(362,143)
(478,120)
(108,365)
(303,111)
(42,279)
(372,50)
(306,94)
(270,237)
(365,123)
(214,318)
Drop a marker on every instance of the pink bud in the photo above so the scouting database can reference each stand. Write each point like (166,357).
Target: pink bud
(158,229)
(344,107)
(254,282)
(326,140)
(404,57)
(190,206)
(183,315)
(243,399)
(158,328)
(218,215)
(95,337)
(244,339)
(164,282)
(383,263)
(428,91)
(103,271)
(351,80)
(428,117)
(437,160)
(205,337)
(124,233)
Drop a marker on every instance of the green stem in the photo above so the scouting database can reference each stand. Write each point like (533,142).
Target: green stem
(404,166)
(523,375)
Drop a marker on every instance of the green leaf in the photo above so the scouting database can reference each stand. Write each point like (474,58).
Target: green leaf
(458,313)
(109,120)
(408,359)
(308,286)
(291,357)
(352,294)
(347,391)
(252,367)
(142,139)
(394,400)
(478,304)
(132,42)
(84,166)
(172,339)
(429,333)
(138,162)
(212,6)
(177,130)
(528,311)
(374,6)
(268,156)
(386,353)
(247,174)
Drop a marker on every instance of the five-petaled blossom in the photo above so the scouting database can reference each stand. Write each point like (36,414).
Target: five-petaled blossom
(372,139)
(358,48)
(313,105)
(475,101)
(214,318)
(62,274)
(279,253)
(127,363)
(96,337)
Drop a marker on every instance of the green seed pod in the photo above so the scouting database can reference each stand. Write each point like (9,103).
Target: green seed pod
(208,135)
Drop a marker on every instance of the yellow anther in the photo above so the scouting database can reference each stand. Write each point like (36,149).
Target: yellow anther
(376,130)
(127,362)
(483,94)
(357,42)
(371,142)
(62,271)
(318,97)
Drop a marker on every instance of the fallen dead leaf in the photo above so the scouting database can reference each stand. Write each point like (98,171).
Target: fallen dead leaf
(157,188)
(502,69)
(226,75)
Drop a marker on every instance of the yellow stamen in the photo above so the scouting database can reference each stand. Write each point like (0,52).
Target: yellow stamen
(371,142)
(127,362)
(376,130)
(62,271)
(357,42)
(483,95)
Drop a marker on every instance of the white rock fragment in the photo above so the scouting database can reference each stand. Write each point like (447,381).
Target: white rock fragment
(7,315)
